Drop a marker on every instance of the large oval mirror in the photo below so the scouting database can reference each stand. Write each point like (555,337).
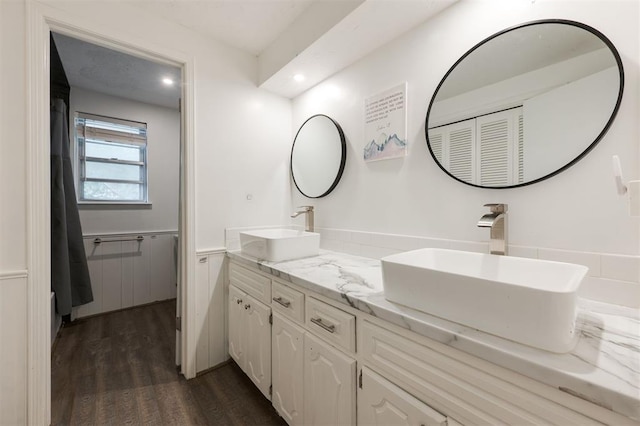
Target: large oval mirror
(318,156)
(525,104)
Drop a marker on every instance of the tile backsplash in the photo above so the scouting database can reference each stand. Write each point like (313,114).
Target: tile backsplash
(611,278)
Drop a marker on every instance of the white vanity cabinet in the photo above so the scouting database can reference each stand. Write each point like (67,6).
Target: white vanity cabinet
(381,403)
(329,384)
(322,375)
(236,327)
(314,383)
(287,343)
(250,337)
(249,325)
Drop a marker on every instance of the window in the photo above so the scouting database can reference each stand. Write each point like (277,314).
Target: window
(112,159)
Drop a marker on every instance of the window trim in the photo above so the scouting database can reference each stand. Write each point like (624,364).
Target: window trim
(140,142)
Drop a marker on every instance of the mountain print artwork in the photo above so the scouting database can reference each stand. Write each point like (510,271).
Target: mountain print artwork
(386,147)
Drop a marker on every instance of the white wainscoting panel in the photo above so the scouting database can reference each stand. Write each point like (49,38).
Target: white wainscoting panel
(13,356)
(210,309)
(129,273)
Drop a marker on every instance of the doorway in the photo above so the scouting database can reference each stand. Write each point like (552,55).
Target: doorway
(41,21)
(124,137)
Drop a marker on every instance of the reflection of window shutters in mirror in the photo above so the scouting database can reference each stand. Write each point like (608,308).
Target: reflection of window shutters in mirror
(520,155)
(486,150)
(453,147)
(461,152)
(498,145)
(435,139)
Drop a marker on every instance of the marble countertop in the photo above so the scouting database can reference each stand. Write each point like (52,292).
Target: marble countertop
(604,367)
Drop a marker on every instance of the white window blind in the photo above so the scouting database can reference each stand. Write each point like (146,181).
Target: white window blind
(112,159)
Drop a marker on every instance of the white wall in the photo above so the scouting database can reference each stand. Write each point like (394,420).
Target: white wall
(587,102)
(575,210)
(242,136)
(163,158)
(13,286)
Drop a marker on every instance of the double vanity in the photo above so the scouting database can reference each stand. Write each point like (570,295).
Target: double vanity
(444,337)
(428,337)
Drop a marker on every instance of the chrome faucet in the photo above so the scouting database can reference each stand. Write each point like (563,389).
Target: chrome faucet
(497,222)
(308,221)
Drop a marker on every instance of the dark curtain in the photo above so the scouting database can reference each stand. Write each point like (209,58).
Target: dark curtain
(69,271)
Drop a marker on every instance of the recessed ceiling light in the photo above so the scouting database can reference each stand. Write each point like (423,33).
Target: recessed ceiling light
(298,77)
(167,81)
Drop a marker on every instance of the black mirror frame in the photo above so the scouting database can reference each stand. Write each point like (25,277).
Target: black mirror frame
(343,157)
(586,27)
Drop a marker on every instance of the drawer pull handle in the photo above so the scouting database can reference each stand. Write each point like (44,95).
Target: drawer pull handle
(329,327)
(247,306)
(239,301)
(282,301)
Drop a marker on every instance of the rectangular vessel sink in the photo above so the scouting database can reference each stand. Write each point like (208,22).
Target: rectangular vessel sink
(277,245)
(529,301)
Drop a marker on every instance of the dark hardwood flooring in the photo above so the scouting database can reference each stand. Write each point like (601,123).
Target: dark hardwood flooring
(119,369)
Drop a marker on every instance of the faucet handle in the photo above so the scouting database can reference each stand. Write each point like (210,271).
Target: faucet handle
(306,208)
(497,208)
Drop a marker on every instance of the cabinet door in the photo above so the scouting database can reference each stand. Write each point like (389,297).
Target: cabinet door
(329,384)
(237,299)
(382,403)
(257,344)
(287,343)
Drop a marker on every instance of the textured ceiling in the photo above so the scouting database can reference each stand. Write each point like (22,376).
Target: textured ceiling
(118,74)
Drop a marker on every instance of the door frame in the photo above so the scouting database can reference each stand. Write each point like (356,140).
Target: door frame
(40,21)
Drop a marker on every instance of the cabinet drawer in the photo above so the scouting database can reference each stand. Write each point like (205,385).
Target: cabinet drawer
(287,301)
(380,402)
(331,323)
(253,283)
(458,389)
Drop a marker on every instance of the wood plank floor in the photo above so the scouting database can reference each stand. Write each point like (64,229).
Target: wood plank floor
(119,369)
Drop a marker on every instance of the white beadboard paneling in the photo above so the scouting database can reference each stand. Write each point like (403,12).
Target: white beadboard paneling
(173,285)
(202,310)
(111,276)
(590,260)
(216,310)
(129,273)
(129,251)
(94,262)
(160,273)
(141,273)
(13,349)
(623,268)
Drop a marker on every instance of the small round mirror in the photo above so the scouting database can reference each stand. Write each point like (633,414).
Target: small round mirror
(525,104)
(318,156)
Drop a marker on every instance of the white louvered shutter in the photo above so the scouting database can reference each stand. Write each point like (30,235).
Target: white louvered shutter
(461,154)
(497,148)
(436,137)
(520,153)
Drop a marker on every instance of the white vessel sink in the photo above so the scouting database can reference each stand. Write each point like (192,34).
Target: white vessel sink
(277,245)
(526,300)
